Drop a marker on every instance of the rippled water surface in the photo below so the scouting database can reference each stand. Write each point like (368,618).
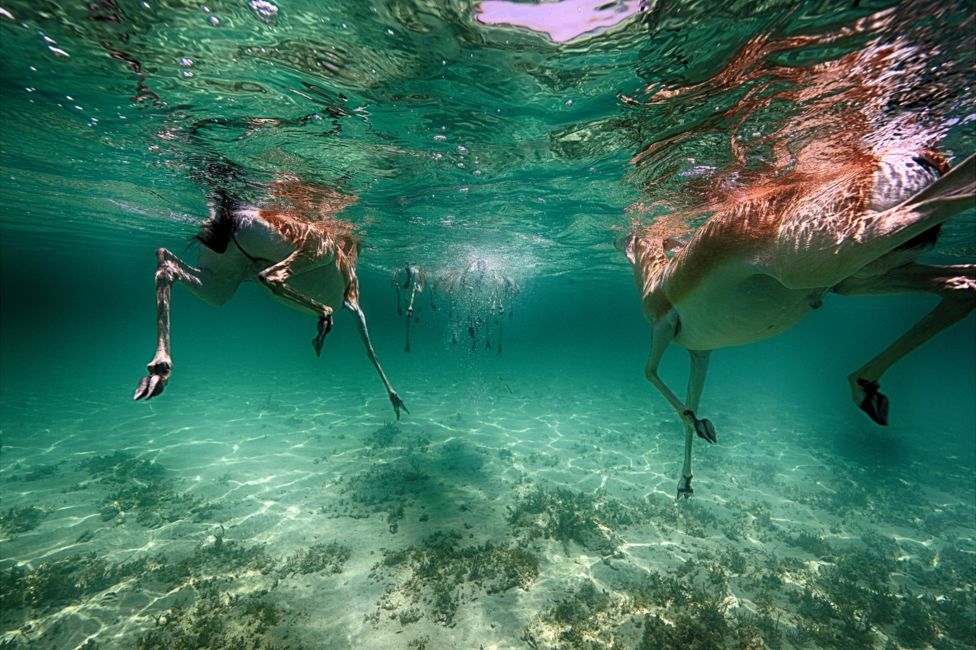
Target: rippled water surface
(269,499)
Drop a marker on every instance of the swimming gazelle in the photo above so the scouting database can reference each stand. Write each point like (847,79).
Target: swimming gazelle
(413,279)
(757,268)
(299,251)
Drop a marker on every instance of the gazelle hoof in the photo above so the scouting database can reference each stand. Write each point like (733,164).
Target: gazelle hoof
(397,404)
(152,385)
(149,387)
(324,327)
(875,404)
(704,427)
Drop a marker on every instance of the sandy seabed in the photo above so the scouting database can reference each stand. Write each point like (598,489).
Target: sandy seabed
(498,514)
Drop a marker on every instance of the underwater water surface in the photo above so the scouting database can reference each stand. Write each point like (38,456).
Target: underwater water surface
(270,499)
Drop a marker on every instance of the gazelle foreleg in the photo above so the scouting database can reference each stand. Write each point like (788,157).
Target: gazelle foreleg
(396,288)
(662,333)
(955,285)
(696,383)
(352,304)
(415,287)
(276,276)
(201,282)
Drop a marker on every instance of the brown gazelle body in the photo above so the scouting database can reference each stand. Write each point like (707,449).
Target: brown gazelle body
(297,249)
(769,255)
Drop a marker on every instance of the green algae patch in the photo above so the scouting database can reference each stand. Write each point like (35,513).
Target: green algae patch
(325,559)
(224,594)
(436,577)
(143,490)
(216,620)
(21,520)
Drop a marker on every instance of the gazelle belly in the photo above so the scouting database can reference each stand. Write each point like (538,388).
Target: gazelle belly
(751,309)
(324,284)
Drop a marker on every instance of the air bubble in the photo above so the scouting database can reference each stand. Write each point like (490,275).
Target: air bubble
(264,10)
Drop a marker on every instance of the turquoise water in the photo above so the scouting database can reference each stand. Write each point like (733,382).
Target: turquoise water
(268,499)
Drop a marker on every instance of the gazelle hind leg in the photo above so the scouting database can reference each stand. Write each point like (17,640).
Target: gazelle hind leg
(662,333)
(883,232)
(352,304)
(845,248)
(203,284)
(956,285)
(275,278)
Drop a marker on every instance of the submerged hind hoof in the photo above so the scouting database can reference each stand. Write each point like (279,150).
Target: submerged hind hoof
(875,404)
(398,404)
(323,328)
